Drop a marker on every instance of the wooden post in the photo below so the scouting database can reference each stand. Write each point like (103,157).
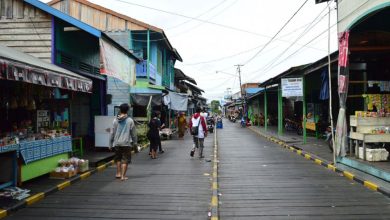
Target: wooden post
(258,116)
(265,109)
(280,110)
(148,56)
(304,109)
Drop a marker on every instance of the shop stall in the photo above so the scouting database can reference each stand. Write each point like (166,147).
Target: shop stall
(35,123)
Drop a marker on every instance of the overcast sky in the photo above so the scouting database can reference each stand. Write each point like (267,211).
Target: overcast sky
(241,29)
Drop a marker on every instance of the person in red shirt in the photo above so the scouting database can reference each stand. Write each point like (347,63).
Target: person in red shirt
(198,129)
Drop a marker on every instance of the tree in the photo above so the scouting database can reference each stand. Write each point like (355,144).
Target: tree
(215,106)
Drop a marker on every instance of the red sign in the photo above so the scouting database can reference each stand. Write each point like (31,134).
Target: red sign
(343,48)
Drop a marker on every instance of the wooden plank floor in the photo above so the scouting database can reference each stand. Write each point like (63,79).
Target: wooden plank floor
(172,187)
(260,180)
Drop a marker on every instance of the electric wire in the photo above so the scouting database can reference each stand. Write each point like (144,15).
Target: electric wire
(198,16)
(285,24)
(197,19)
(245,51)
(200,24)
(315,38)
(310,27)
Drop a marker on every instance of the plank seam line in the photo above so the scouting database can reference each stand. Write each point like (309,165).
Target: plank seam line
(367,184)
(39,196)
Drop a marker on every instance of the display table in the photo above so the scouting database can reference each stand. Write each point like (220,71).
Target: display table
(361,130)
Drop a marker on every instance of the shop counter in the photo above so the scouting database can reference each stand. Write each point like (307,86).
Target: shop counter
(41,156)
(8,165)
(362,130)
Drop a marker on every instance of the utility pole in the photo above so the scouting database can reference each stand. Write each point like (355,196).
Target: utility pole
(242,94)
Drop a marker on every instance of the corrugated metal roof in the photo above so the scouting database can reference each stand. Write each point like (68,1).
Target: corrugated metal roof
(179,75)
(15,55)
(252,90)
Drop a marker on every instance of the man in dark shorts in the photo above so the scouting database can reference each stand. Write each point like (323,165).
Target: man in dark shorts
(123,136)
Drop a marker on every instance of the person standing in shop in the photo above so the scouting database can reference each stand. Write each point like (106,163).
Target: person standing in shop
(123,137)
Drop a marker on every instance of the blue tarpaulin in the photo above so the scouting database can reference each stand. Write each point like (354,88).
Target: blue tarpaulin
(324,93)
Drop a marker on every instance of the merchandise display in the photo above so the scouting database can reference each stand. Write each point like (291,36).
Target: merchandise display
(72,164)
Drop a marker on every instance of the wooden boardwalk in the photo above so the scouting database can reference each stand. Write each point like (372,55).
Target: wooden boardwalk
(174,186)
(260,180)
(257,180)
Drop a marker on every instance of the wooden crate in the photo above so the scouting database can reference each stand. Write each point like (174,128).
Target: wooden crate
(62,175)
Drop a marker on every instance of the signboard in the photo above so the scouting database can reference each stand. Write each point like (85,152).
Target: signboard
(43,119)
(292,87)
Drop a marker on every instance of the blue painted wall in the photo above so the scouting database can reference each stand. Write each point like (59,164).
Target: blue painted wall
(119,91)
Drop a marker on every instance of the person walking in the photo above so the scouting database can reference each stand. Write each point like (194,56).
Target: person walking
(198,129)
(160,150)
(123,137)
(182,124)
(154,135)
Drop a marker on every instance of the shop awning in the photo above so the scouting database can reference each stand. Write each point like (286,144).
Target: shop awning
(179,75)
(18,66)
(176,101)
(143,99)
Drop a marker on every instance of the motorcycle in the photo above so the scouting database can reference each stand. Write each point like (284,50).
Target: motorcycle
(210,124)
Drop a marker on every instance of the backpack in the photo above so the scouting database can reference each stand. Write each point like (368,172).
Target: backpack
(195,129)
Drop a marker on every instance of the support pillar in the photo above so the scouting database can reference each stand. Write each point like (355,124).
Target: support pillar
(148,55)
(280,111)
(304,109)
(265,110)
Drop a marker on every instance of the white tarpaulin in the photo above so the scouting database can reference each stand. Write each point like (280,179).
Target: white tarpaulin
(116,63)
(177,101)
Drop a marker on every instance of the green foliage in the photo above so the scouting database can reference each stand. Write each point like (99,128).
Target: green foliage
(141,134)
(215,107)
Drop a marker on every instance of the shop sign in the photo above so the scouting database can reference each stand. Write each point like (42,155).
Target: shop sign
(292,87)
(24,73)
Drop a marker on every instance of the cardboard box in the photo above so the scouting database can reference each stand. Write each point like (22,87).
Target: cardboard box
(62,175)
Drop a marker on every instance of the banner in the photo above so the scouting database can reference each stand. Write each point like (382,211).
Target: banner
(116,63)
(292,87)
(341,139)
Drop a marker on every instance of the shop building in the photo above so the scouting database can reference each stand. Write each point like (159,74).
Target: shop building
(362,126)
(54,37)
(155,72)
(35,114)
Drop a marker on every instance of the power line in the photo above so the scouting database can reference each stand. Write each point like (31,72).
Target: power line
(197,19)
(315,38)
(198,16)
(200,24)
(288,21)
(311,26)
(248,50)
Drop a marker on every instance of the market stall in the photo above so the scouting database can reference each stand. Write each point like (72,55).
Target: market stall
(35,123)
